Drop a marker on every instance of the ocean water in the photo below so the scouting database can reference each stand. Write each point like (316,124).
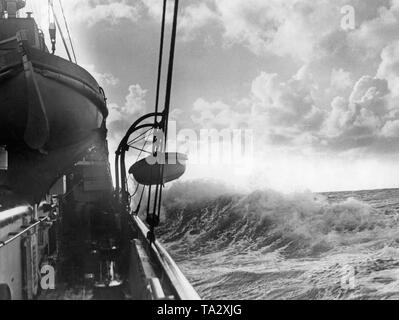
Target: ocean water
(269,245)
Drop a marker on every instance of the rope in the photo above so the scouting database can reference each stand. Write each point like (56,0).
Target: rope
(49,12)
(61,33)
(170,70)
(139,204)
(154,149)
(37,13)
(159,187)
(67,29)
(153,219)
(139,136)
(141,150)
(168,95)
(160,59)
(137,188)
(161,45)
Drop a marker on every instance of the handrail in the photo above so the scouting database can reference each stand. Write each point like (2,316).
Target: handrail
(14,213)
(15,38)
(156,289)
(183,288)
(20,234)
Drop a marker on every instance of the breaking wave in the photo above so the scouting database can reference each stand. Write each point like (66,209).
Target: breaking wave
(203,217)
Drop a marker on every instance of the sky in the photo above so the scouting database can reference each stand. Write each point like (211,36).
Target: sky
(315,82)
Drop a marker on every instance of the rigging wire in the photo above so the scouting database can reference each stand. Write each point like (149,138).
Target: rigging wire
(36,10)
(141,135)
(67,29)
(170,71)
(49,12)
(60,30)
(138,157)
(154,218)
(137,187)
(140,201)
(161,45)
(132,144)
(168,96)
(141,150)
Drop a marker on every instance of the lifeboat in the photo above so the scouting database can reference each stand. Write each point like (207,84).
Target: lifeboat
(163,168)
(51,109)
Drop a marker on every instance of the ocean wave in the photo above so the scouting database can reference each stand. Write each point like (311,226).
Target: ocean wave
(202,217)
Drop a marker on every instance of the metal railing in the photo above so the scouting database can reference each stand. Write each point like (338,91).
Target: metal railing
(14,214)
(181,285)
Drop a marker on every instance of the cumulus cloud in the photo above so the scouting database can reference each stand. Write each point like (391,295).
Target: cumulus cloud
(287,104)
(104,79)
(154,9)
(194,18)
(217,115)
(93,12)
(389,67)
(376,33)
(345,96)
(341,79)
(303,29)
(121,117)
(272,25)
(285,113)
(356,122)
(391,129)
(278,111)
(318,86)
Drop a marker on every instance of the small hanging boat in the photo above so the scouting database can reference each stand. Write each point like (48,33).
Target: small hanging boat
(163,168)
(51,109)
